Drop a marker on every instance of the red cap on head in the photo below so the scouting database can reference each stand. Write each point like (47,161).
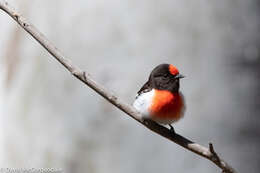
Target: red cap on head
(173,70)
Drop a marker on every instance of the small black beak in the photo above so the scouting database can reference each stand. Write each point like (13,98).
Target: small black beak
(179,76)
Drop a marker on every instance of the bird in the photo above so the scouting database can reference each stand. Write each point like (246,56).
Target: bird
(159,99)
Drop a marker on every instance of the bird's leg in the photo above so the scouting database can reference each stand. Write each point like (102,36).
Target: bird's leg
(171,129)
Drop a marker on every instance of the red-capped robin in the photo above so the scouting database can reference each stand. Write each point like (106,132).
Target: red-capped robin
(160,99)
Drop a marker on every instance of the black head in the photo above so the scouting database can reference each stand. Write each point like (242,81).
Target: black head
(165,77)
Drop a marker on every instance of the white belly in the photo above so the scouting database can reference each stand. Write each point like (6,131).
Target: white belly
(143,102)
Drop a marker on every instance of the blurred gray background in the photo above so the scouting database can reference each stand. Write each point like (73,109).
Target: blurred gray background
(50,119)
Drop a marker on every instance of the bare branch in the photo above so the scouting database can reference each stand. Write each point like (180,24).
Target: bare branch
(208,153)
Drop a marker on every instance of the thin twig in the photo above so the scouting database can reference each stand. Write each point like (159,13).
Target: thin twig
(208,153)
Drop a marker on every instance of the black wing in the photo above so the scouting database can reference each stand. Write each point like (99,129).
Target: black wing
(145,88)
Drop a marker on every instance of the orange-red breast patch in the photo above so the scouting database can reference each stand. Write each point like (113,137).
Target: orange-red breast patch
(173,70)
(166,105)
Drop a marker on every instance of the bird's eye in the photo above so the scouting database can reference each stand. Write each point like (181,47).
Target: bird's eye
(165,75)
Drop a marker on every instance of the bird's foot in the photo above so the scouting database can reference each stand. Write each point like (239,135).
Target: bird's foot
(171,129)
